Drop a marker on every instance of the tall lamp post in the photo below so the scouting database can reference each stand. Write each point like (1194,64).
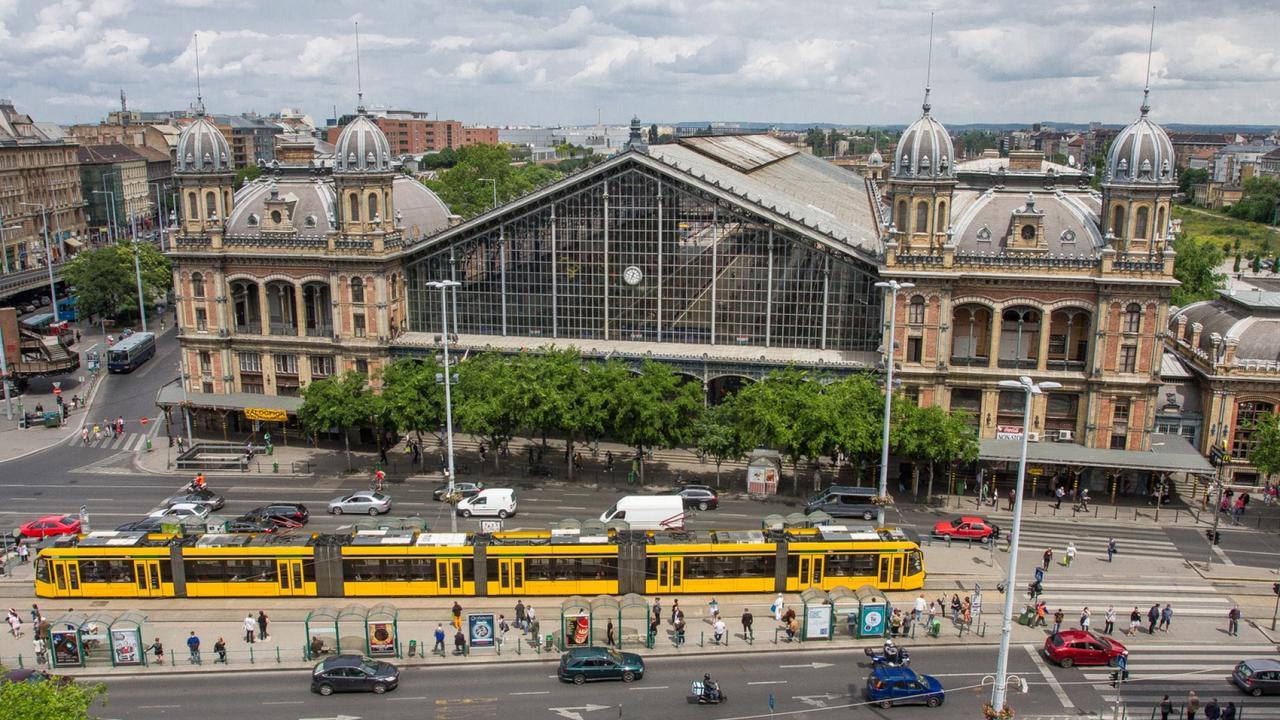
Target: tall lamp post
(893,286)
(1030,389)
(494,183)
(444,286)
(48,260)
(137,272)
(111,209)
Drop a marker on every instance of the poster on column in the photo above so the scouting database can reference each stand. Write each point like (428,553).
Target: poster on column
(481,630)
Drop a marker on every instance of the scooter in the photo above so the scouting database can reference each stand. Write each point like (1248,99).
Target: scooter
(878,657)
(705,697)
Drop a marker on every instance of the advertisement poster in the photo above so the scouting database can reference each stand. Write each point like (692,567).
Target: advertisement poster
(873,620)
(382,638)
(126,647)
(1008,432)
(481,630)
(817,622)
(66,648)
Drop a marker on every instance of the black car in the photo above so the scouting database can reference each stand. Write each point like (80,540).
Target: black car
(282,514)
(702,497)
(251,525)
(147,525)
(461,489)
(353,673)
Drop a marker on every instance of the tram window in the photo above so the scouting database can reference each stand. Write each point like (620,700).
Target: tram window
(724,566)
(539,569)
(758,566)
(793,564)
(651,567)
(383,570)
(42,570)
(852,564)
(697,567)
(166,571)
(106,571)
(915,562)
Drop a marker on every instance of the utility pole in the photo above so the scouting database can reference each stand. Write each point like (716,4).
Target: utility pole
(137,271)
(893,286)
(48,259)
(444,286)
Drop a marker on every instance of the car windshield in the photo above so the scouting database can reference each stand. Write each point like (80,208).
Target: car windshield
(370,665)
(615,655)
(66,519)
(1106,644)
(957,522)
(1244,670)
(1057,640)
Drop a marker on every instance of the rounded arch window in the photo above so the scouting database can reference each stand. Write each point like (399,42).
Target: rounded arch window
(357,290)
(915,311)
(253,220)
(1133,318)
(197,285)
(1020,315)
(1028,232)
(310,221)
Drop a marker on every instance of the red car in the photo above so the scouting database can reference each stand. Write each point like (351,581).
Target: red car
(967,527)
(1078,647)
(51,525)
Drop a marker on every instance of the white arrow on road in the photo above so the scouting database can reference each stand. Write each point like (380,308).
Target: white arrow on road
(812,665)
(571,712)
(816,700)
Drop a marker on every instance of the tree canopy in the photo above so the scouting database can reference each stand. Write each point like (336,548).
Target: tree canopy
(1259,202)
(1190,177)
(106,284)
(48,700)
(340,403)
(462,188)
(1196,267)
(1265,454)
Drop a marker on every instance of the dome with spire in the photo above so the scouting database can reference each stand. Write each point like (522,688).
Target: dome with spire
(362,147)
(201,147)
(1142,153)
(925,150)
(875,159)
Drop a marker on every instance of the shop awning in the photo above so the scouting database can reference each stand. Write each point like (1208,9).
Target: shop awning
(1169,453)
(73,243)
(172,395)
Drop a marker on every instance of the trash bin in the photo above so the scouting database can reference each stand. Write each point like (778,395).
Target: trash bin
(1026,616)
(52,419)
(935,628)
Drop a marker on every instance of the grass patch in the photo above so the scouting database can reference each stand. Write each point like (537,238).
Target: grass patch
(1228,233)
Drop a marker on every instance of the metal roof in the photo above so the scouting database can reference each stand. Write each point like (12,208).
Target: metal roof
(1171,368)
(1175,455)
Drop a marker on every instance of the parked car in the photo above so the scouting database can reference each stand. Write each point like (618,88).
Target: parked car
(282,514)
(462,489)
(30,675)
(891,686)
(702,497)
(251,525)
(51,525)
(206,497)
(181,510)
(1081,647)
(1257,677)
(147,525)
(587,664)
(365,501)
(967,527)
(353,673)
(845,501)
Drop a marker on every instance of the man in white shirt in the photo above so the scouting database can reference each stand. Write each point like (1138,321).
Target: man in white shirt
(720,630)
(921,606)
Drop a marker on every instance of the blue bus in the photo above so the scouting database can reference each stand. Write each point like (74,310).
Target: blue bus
(67,309)
(131,352)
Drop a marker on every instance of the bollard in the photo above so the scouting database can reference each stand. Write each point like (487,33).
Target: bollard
(251,660)
(20,666)
(1117,514)
(775,635)
(148,444)
(702,639)
(173,660)
(275,466)
(1095,512)
(278,654)
(1135,513)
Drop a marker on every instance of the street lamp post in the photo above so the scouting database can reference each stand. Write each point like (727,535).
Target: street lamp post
(1029,390)
(111,209)
(137,272)
(494,183)
(444,286)
(48,260)
(893,286)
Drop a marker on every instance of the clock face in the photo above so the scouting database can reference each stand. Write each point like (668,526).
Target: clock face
(632,275)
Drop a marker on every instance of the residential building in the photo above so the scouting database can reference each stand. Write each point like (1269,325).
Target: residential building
(1269,164)
(116,191)
(252,139)
(1188,145)
(410,132)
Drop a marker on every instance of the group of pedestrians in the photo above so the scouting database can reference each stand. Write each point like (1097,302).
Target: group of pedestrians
(256,628)
(1212,711)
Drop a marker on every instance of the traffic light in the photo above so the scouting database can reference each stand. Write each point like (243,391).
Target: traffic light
(1118,677)
(1216,455)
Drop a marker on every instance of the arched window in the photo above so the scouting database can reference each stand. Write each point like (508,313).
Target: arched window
(970,335)
(357,288)
(902,215)
(922,216)
(1019,338)
(1133,318)
(1159,223)
(373,206)
(197,285)
(210,204)
(1117,222)
(1248,413)
(355,208)
(193,207)
(1140,223)
(941,224)
(915,311)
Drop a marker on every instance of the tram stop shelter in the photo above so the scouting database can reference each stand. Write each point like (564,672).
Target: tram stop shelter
(321,625)
(127,639)
(633,619)
(818,617)
(605,610)
(575,621)
(379,628)
(844,604)
(873,612)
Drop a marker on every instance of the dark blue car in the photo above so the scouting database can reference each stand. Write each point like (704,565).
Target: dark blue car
(902,686)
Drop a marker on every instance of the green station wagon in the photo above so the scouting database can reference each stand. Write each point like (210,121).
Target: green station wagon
(598,663)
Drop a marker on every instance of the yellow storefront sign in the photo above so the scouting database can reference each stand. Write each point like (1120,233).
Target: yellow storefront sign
(266,414)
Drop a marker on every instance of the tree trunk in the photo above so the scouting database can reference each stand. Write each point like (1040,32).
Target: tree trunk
(915,479)
(640,459)
(929,494)
(568,453)
(718,473)
(795,476)
(495,446)
(346,444)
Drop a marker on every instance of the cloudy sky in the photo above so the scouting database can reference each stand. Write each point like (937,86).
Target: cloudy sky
(550,62)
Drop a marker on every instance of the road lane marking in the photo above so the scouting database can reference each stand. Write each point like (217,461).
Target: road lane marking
(157,707)
(1048,676)
(768,682)
(532,692)
(400,697)
(284,702)
(657,687)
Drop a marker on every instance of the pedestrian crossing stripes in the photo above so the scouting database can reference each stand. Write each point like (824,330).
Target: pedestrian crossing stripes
(1174,670)
(1131,541)
(120,443)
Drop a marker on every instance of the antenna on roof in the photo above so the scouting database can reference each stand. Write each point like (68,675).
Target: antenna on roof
(199,97)
(359,83)
(1151,41)
(928,72)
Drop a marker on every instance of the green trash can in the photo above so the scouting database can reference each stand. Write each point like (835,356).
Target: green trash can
(52,419)
(1026,617)
(935,629)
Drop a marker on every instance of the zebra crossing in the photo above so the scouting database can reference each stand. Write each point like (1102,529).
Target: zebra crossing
(1149,541)
(1174,670)
(1191,600)
(127,442)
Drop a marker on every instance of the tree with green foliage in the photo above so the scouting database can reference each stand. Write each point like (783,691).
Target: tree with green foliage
(857,417)
(931,435)
(1235,266)
(1256,265)
(247,174)
(1265,438)
(413,398)
(1259,201)
(718,434)
(1196,267)
(465,193)
(50,700)
(1188,178)
(106,284)
(785,412)
(485,399)
(656,409)
(340,404)
(446,158)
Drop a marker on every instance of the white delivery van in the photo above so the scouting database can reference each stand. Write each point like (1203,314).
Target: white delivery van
(497,502)
(648,512)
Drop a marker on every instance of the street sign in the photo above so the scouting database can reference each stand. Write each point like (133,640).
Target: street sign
(1039,575)
(489,527)
(1122,662)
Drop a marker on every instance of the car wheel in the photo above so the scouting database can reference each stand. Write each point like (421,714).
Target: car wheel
(628,676)
(579,679)
(1256,692)
(1066,662)
(335,511)
(466,513)
(702,506)
(502,514)
(379,688)
(373,511)
(326,689)
(886,704)
(933,702)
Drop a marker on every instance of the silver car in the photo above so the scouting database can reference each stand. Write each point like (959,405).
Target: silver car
(365,501)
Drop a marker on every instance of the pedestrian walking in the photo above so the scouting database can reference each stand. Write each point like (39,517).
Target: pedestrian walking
(921,605)
(250,627)
(120,425)
(955,609)
(262,626)
(193,646)
(676,612)
(1084,619)
(15,623)
(1071,554)
(933,612)
(439,648)
(1135,619)
(37,644)
(1233,621)
(24,553)
(777,608)
(1013,495)
(1048,558)
(608,635)
(1057,621)
(220,648)
(1111,550)
(713,609)
(657,610)
(1166,708)
(1193,705)
(35,614)
(84,434)
(157,648)
(1166,616)
(747,621)
(522,619)
(1110,621)
(1153,617)
(1212,711)
(719,629)
(457,616)
(1229,712)
(1058,495)
(97,433)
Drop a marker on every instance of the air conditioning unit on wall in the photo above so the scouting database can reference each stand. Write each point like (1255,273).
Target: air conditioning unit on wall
(1066,436)
(1033,437)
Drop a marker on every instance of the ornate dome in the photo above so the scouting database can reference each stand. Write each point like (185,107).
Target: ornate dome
(362,147)
(202,148)
(875,159)
(925,150)
(1142,153)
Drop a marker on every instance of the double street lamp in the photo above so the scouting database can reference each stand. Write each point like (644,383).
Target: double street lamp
(893,286)
(444,286)
(48,259)
(1029,390)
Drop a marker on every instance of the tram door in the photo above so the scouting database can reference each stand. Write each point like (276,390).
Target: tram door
(290,577)
(891,571)
(66,574)
(449,575)
(146,573)
(671,574)
(511,576)
(811,570)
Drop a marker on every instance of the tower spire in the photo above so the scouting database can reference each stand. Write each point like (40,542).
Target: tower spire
(199,96)
(928,73)
(359,82)
(1146,89)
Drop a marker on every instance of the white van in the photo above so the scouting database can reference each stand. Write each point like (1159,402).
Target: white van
(500,502)
(648,512)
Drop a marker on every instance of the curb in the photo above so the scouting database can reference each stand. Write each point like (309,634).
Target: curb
(88,403)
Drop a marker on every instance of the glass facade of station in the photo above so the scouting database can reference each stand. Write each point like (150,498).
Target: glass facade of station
(633,254)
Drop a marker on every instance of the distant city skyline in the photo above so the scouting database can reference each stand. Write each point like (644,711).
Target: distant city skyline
(543,62)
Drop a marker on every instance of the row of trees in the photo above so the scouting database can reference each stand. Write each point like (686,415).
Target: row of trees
(106,282)
(464,186)
(799,414)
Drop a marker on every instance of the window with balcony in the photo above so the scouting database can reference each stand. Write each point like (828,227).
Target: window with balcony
(1020,338)
(1069,339)
(1120,424)
(202,320)
(245,307)
(971,335)
(206,362)
(915,349)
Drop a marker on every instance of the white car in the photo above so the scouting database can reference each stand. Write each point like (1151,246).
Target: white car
(182,510)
